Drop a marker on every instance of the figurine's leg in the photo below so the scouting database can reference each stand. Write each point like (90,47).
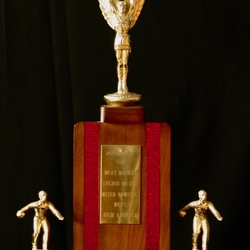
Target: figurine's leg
(125,70)
(119,75)
(34,247)
(124,81)
(119,70)
(205,236)
(46,229)
(196,232)
(36,227)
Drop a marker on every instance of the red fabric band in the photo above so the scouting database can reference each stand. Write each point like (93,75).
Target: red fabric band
(152,186)
(91,223)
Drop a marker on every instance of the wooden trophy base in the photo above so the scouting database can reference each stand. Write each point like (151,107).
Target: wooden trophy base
(122,126)
(124,114)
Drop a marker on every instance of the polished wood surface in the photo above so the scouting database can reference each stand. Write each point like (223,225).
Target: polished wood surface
(122,114)
(123,237)
(165,186)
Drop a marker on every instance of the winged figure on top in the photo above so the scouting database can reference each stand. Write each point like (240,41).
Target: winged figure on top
(121,15)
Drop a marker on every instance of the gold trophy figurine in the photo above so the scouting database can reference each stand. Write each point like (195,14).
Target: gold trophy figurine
(121,16)
(41,208)
(200,221)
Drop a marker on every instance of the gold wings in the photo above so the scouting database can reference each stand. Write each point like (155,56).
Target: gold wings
(108,8)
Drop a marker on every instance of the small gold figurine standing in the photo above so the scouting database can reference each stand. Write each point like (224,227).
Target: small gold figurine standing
(121,16)
(41,208)
(200,221)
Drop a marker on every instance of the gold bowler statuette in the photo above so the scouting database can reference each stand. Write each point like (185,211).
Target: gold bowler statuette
(40,220)
(200,221)
(121,16)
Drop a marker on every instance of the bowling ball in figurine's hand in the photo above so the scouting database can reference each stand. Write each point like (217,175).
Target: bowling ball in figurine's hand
(20,214)
(182,213)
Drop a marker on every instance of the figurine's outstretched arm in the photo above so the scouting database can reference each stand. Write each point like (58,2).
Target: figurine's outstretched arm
(111,6)
(21,213)
(215,212)
(55,211)
(135,10)
(183,211)
(108,9)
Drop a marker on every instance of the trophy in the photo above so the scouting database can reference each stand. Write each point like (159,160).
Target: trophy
(201,207)
(121,17)
(121,177)
(41,207)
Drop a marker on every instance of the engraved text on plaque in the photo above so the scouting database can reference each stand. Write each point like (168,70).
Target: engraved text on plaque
(120,184)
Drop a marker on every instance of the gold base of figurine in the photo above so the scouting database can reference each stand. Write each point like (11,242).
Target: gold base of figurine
(122,100)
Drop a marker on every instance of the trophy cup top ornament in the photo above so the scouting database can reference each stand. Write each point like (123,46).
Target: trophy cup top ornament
(40,220)
(200,221)
(121,15)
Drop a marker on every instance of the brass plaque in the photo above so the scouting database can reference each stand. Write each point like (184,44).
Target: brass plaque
(120,184)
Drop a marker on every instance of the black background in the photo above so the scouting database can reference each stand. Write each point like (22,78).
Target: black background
(190,61)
